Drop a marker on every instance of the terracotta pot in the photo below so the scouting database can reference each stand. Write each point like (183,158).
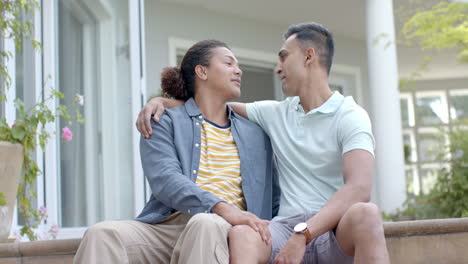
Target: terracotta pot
(11,160)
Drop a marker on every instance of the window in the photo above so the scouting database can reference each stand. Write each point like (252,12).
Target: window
(95,169)
(431,108)
(458,104)
(426,118)
(258,82)
(86,51)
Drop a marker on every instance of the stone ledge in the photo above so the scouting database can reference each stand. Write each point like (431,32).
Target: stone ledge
(40,248)
(426,227)
(423,235)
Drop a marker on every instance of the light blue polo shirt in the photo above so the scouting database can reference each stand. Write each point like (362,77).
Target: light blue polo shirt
(309,147)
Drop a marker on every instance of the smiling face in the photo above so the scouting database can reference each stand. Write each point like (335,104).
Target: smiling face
(291,66)
(223,75)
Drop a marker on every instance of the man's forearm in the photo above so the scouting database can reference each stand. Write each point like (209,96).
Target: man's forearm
(167,102)
(240,109)
(330,215)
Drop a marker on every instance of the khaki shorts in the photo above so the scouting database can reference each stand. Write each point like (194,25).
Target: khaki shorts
(323,249)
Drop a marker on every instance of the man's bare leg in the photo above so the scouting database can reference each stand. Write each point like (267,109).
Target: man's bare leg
(360,234)
(246,246)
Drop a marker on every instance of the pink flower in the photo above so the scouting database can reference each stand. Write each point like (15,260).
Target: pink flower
(67,135)
(42,212)
(14,124)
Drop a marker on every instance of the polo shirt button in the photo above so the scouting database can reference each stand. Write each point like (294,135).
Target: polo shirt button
(197,145)
(197,123)
(194,171)
(200,117)
(189,211)
(296,108)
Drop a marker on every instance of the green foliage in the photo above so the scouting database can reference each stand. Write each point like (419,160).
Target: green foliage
(3,201)
(433,27)
(445,25)
(13,27)
(28,131)
(449,196)
(29,127)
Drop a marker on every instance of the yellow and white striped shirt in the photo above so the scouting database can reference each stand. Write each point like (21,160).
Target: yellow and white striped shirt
(219,169)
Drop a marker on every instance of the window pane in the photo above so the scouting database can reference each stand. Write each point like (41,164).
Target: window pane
(428,178)
(257,84)
(459,106)
(72,154)
(336,87)
(431,110)
(96,167)
(409,147)
(412,180)
(404,112)
(430,146)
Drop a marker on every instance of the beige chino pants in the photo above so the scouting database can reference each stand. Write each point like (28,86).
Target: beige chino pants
(184,239)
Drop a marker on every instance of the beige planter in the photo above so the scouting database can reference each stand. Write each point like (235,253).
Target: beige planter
(11,160)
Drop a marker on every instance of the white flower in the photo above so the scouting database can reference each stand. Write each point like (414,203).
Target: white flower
(79,99)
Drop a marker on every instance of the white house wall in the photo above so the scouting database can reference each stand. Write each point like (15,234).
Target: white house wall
(173,20)
(163,20)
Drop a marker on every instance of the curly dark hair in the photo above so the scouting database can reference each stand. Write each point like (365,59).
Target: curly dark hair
(179,82)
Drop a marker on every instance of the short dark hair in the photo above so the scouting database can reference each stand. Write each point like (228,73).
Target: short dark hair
(179,82)
(316,35)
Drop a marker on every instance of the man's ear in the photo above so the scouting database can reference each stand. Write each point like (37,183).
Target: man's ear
(201,72)
(311,55)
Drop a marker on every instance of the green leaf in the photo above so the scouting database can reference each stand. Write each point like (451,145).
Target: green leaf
(3,201)
(18,132)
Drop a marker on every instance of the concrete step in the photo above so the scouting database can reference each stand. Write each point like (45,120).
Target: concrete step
(427,241)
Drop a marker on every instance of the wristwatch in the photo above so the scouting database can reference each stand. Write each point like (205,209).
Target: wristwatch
(303,228)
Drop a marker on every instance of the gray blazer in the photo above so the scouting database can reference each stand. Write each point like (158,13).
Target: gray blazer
(170,160)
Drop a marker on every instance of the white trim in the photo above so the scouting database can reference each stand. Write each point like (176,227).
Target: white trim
(71,232)
(136,83)
(143,52)
(245,56)
(411,117)
(355,72)
(49,75)
(460,91)
(91,137)
(38,81)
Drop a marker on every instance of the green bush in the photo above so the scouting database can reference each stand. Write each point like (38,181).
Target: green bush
(449,196)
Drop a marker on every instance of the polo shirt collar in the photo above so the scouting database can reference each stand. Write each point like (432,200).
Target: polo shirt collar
(330,106)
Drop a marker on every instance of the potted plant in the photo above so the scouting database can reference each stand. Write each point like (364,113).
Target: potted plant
(18,141)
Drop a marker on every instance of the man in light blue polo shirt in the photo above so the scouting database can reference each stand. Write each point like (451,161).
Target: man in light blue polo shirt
(324,148)
(311,160)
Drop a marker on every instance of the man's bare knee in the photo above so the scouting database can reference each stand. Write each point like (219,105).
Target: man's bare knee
(365,217)
(364,213)
(242,232)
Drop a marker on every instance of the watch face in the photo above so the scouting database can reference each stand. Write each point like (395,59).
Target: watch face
(300,227)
